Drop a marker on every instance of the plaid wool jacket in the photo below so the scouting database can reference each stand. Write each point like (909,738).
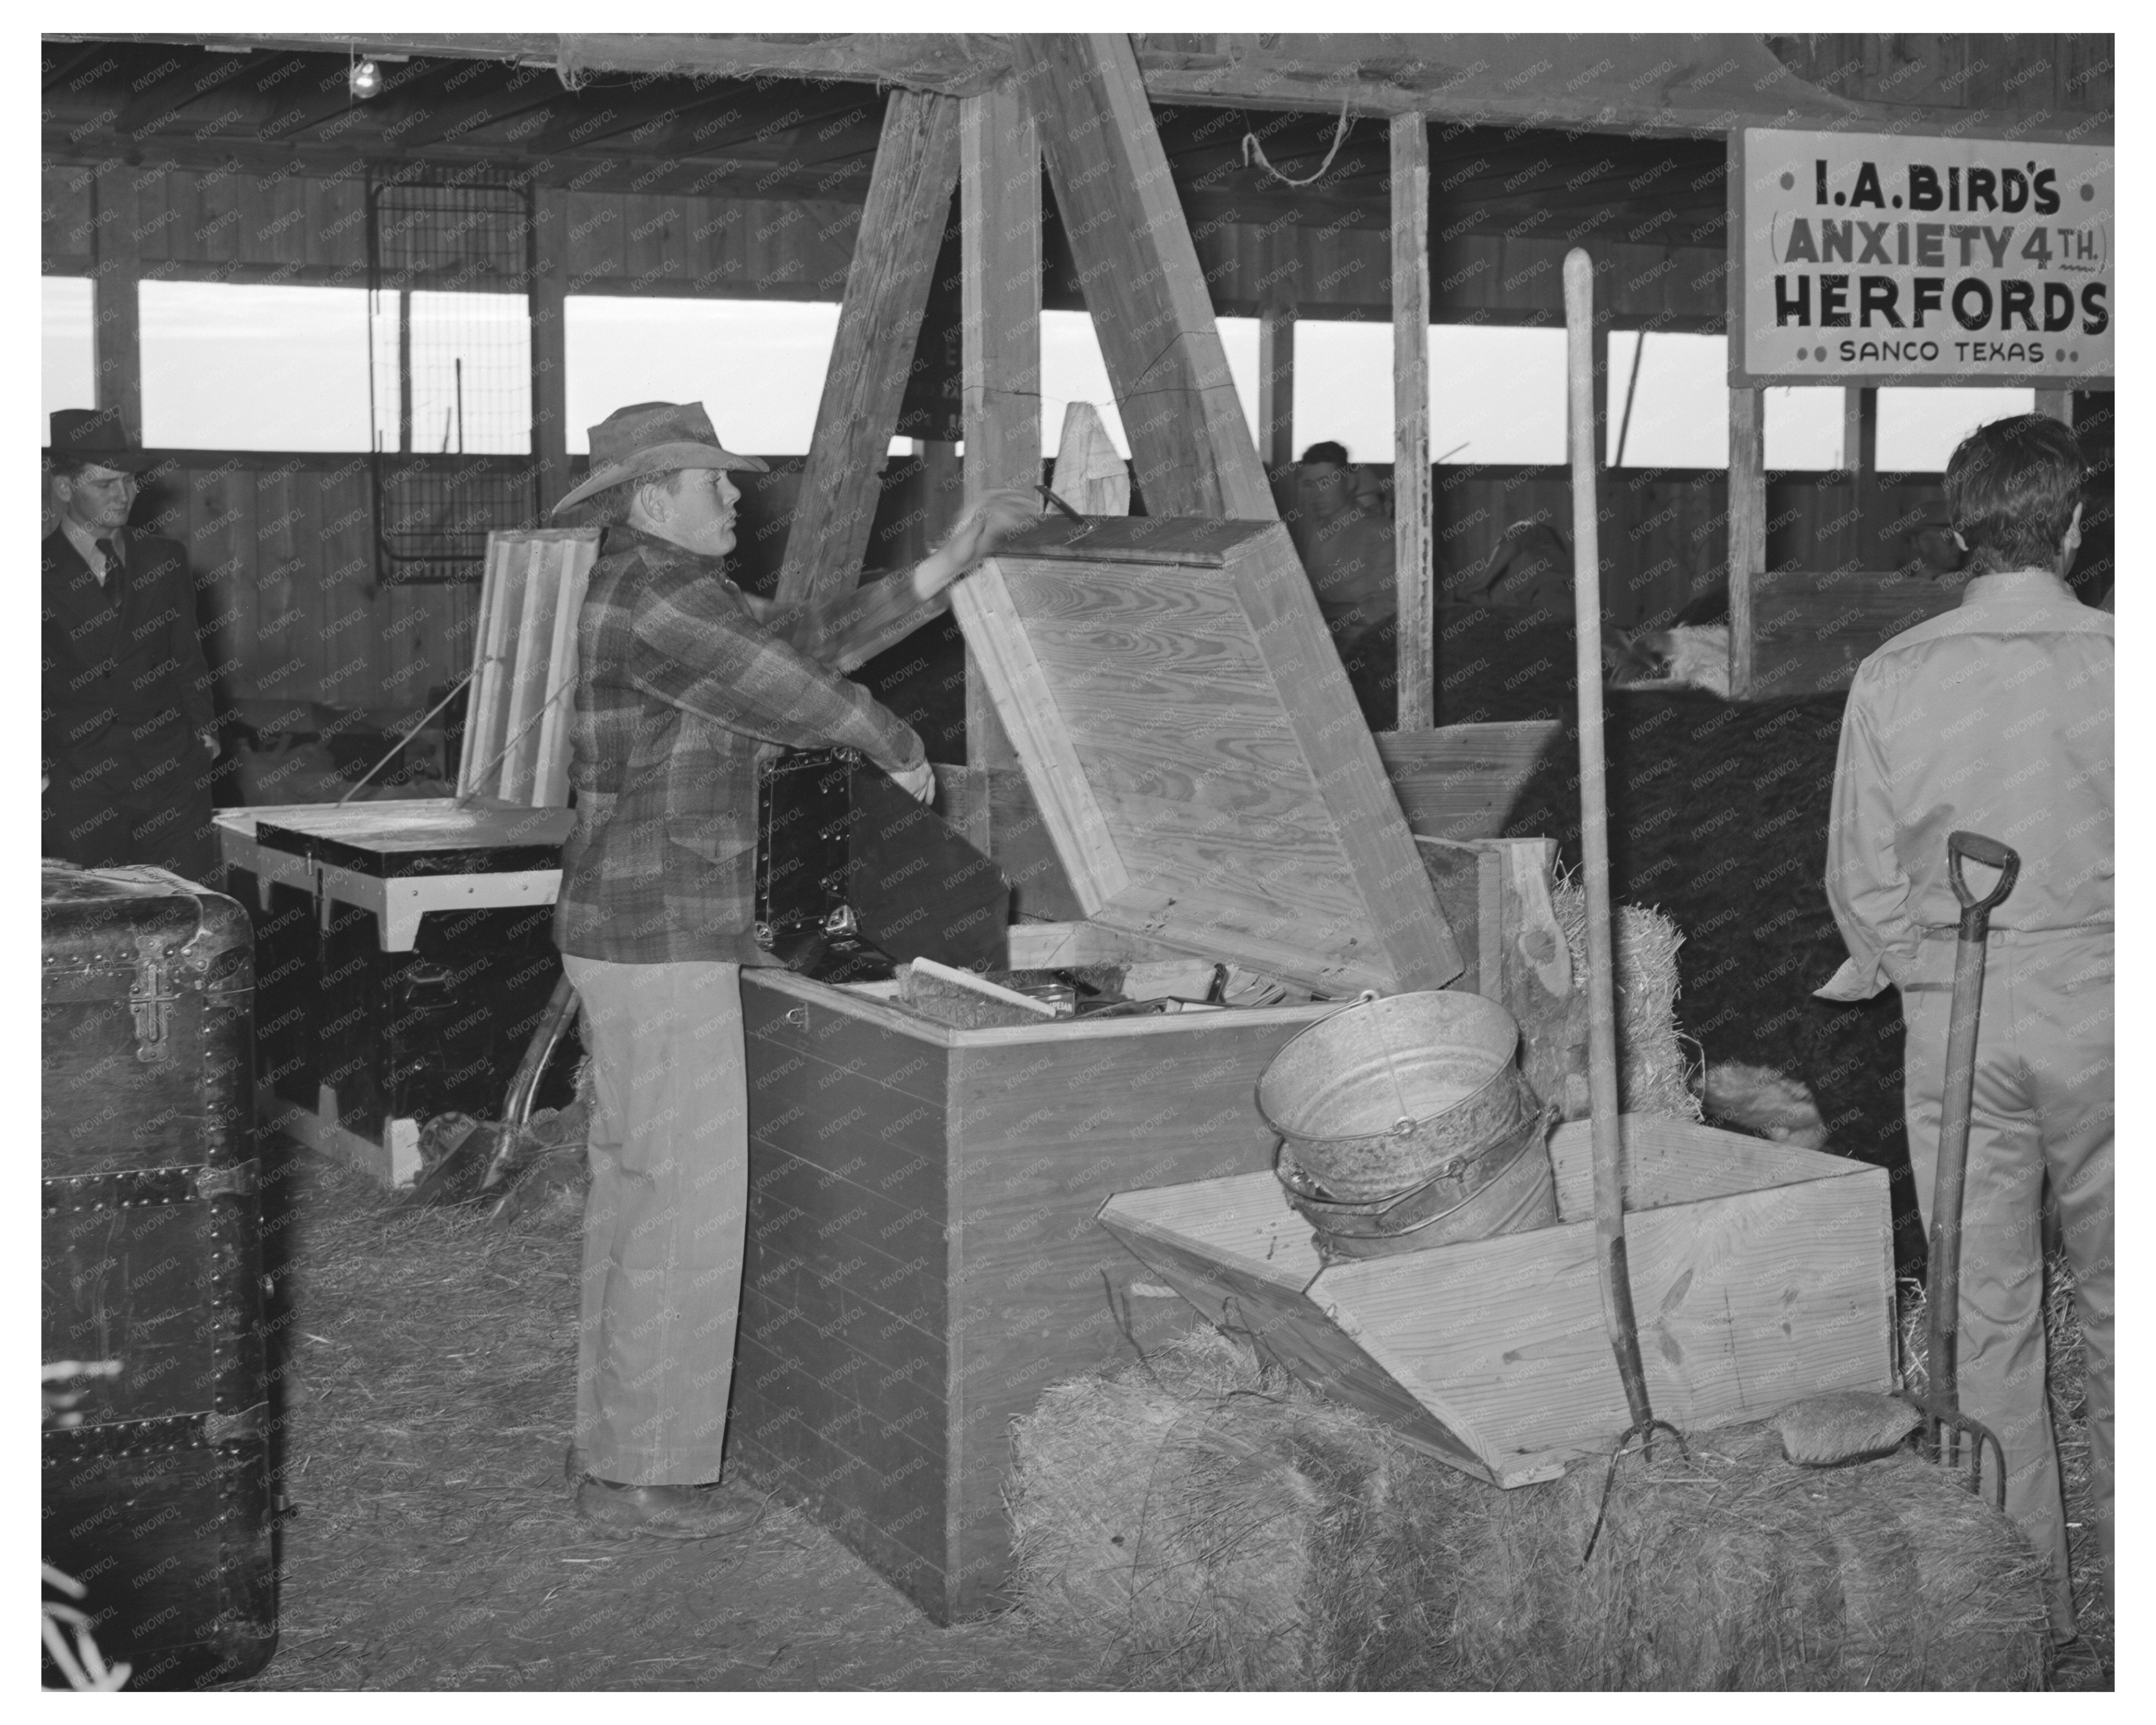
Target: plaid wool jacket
(686,686)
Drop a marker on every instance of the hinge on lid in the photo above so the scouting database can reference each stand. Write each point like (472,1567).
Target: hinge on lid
(151,1000)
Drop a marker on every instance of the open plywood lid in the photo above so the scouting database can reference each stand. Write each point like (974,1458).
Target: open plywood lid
(1197,753)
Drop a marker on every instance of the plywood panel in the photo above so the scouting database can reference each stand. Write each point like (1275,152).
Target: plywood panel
(1196,751)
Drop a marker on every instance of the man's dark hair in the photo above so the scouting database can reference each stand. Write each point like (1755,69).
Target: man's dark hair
(610,508)
(2011,489)
(1337,454)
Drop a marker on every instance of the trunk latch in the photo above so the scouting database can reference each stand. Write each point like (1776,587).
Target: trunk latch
(151,998)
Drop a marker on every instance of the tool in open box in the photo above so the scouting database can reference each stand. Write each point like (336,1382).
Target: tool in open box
(487,1162)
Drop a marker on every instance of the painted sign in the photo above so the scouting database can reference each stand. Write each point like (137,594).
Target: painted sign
(1867,259)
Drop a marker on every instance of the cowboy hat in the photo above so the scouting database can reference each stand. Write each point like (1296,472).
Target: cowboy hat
(654,437)
(95,435)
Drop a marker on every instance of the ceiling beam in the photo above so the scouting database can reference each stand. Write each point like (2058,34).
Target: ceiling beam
(1664,85)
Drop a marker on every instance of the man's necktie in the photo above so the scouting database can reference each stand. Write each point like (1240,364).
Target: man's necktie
(110,550)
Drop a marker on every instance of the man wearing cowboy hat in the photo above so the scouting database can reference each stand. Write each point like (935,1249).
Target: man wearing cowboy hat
(685,686)
(129,727)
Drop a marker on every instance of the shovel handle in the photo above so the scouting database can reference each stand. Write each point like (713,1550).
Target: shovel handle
(1976,848)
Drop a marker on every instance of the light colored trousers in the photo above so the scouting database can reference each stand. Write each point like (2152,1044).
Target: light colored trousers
(663,1225)
(2043,1109)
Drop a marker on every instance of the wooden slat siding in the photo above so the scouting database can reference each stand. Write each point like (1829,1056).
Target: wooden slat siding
(218,535)
(596,242)
(1044,1129)
(117,270)
(336,228)
(286,527)
(346,580)
(1411,452)
(652,242)
(1460,781)
(999,336)
(1189,441)
(902,226)
(1812,629)
(66,240)
(1349,777)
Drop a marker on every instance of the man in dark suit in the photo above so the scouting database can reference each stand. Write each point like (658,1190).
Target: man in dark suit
(130,730)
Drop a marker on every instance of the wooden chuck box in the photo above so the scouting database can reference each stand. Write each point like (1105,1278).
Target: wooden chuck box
(923,1258)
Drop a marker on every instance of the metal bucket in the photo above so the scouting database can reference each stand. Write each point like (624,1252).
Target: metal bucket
(1519,1196)
(1381,1097)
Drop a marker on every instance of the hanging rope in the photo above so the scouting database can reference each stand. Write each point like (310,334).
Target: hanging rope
(1252,149)
(573,77)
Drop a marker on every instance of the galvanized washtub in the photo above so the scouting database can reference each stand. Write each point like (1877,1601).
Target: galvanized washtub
(1391,1092)
(1506,1189)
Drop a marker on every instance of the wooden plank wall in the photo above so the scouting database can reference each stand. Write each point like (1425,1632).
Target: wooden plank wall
(306,229)
(1665,540)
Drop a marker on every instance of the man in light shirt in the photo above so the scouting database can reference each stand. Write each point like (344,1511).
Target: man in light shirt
(1996,718)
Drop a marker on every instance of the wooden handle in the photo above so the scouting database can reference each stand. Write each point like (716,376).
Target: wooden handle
(1617,1316)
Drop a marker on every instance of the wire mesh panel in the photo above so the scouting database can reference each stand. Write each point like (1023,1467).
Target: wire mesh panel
(449,256)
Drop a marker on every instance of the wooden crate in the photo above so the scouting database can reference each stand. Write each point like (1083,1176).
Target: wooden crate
(922,1257)
(1760,1273)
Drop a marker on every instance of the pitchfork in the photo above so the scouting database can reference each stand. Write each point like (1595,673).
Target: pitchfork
(1946,1429)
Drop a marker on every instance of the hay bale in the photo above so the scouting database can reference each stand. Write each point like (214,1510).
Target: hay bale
(1651,1058)
(1211,1524)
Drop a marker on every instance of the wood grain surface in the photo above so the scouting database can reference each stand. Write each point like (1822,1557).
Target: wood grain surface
(902,224)
(1460,781)
(1760,1274)
(1198,755)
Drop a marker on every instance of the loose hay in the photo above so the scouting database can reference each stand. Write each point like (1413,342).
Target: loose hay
(1217,1525)
(1651,1058)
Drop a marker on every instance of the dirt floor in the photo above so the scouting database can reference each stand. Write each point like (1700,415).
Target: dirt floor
(429,1366)
(429,1399)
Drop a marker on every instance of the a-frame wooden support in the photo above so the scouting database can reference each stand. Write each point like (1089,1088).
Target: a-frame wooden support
(1189,441)
(902,224)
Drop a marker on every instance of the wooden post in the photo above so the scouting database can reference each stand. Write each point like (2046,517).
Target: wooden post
(1747,528)
(1190,443)
(550,345)
(1276,387)
(1412,548)
(999,242)
(1860,456)
(116,276)
(2056,404)
(902,224)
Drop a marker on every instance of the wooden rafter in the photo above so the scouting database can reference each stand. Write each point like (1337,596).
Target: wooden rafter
(1189,441)
(902,226)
